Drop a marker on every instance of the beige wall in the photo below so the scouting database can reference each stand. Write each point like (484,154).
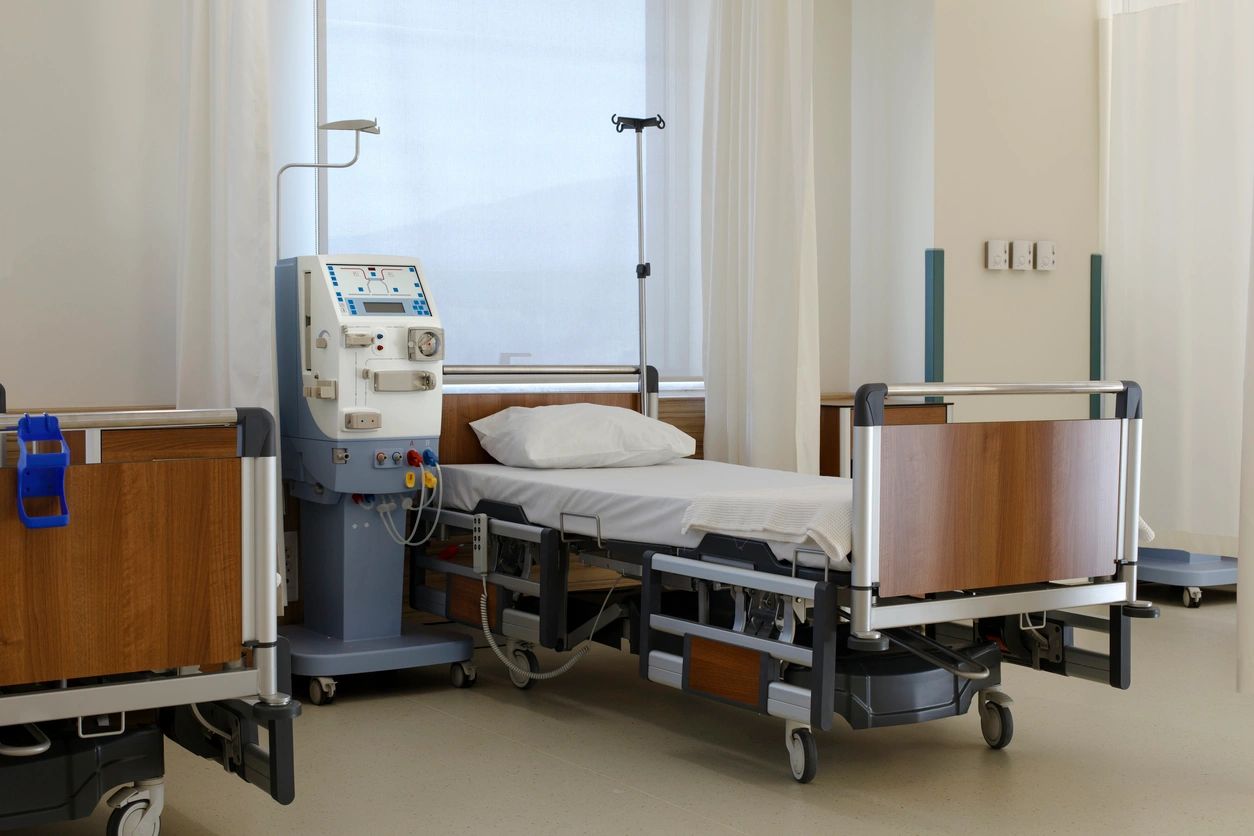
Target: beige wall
(1016,157)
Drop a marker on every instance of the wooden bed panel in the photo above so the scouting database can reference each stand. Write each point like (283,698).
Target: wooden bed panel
(724,671)
(151,444)
(145,444)
(460,445)
(687,414)
(970,506)
(146,575)
(461,600)
(896,415)
(74,440)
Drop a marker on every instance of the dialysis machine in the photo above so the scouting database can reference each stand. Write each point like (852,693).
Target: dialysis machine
(360,361)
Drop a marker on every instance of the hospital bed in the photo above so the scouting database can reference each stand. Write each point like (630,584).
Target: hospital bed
(138,551)
(972,545)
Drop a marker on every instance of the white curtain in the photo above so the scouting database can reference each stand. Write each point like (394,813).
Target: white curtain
(759,252)
(224,276)
(1180,189)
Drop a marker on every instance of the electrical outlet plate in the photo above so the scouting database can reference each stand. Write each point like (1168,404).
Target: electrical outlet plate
(1046,257)
(996,255)
(1020,255)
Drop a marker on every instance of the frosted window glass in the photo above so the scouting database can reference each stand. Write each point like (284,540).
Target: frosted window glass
(497,165)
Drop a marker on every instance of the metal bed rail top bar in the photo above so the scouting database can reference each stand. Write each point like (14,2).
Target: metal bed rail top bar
(680,627)
(510,582)
(732,576)
(1073,387)
(453,371)
(459,519)
(886,616)
(136,418)
(59,704)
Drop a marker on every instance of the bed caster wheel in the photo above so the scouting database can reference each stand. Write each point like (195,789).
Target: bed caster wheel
(321,690)
(803,755)
(1191,597)
(463,674)
(526,660)
(130,820)
(137,809)
(997,724)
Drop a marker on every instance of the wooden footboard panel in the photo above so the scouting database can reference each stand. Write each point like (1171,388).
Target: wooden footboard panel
(971,506)
(146,576)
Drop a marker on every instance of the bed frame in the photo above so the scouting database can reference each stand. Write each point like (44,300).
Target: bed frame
(972,544)
(157,594)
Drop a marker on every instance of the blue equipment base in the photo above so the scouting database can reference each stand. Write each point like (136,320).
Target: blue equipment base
(314,654)
(1181,568)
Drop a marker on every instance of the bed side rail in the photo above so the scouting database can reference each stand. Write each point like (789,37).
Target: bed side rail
(1008,507)
(460,598)
(733,665)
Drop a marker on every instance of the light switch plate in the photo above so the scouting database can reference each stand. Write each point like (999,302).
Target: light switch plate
(1045,255)
(996,255)
(1020,255)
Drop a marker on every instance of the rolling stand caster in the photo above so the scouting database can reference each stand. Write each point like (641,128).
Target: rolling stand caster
(463,674)
(321,690)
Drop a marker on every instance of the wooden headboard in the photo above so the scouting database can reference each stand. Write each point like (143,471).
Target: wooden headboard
(459,445)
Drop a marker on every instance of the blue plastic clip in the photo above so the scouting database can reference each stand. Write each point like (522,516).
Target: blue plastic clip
(41,474)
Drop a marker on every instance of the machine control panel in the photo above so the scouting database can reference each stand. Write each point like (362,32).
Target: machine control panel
(378,289)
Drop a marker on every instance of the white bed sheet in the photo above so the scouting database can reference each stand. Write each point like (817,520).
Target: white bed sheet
(644,504)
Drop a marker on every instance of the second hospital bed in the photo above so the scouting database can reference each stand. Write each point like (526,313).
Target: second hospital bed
(969,545)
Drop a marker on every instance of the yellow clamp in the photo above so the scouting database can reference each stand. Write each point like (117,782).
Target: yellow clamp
(410,479)
(428,479)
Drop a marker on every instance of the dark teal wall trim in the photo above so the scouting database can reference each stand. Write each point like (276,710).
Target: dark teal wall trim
(934,316)
(1095,330)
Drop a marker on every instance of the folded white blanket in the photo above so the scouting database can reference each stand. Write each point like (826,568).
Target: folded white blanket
(822,514)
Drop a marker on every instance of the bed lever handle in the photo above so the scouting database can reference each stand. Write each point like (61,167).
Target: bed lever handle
(596,518)
(940,655)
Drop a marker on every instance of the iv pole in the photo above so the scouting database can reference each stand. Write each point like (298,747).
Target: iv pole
(643,268)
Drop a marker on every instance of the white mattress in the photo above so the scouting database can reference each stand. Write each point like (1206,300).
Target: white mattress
(642,504)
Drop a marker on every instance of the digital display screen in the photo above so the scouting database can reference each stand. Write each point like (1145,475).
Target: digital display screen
(383,307)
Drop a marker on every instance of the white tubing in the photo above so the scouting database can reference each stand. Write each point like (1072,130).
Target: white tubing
(577,654)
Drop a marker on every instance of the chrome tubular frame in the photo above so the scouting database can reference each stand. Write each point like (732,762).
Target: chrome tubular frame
(867,616)
(1132,505)
(644,374)
(866,528)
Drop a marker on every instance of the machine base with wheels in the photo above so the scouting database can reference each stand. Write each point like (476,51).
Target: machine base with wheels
(1189,571)
(321,658)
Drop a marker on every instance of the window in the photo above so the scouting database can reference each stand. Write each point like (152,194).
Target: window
(498,168)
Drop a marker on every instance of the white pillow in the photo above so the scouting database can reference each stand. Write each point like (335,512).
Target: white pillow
(579,435)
